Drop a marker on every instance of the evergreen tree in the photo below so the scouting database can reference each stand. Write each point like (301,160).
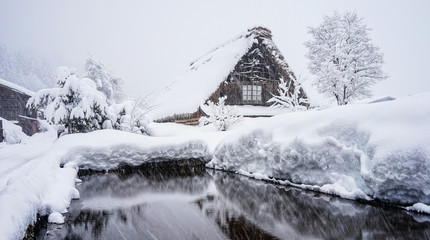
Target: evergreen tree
(106,81)
(75,103)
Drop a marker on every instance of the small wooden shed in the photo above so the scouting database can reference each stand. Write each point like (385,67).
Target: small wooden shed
(13,100)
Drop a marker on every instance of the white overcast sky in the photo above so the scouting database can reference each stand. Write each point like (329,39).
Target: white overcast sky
(150,43)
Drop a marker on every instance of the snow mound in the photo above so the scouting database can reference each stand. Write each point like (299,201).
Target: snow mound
(56,217)
(419,207)
(31,182)
(12,133)
(379,150)
(108,149)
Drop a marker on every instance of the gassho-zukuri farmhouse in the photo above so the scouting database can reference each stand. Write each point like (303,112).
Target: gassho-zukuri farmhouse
(246,69)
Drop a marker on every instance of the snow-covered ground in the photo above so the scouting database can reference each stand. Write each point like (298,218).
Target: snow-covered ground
(31,183)
(368,151)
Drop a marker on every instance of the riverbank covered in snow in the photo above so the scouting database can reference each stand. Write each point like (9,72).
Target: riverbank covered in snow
(39,175)
(367,151)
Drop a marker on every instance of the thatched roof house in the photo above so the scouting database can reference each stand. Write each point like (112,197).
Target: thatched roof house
(13,100)
(246,69)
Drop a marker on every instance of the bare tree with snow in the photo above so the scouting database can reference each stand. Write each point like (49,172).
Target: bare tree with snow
(219,114)
(289,99)
(343,58)
(130,115)
(107,82)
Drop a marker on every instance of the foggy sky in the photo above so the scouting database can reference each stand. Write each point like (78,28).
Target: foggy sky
(150,43)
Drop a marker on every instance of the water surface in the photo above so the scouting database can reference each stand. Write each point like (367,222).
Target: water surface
(207,204)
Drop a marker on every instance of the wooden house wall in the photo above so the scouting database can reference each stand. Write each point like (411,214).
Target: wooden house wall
(29,125)
(185,118)
(233,91)
(13,104)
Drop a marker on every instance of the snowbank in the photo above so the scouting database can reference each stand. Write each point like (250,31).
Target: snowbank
(12,133)
(209,134)
(108,149)
(371,151)
(419,207)
(32,182)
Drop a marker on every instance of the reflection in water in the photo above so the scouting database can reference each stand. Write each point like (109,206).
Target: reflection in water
(203,204)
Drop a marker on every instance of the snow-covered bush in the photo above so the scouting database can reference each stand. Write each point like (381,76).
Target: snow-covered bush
(129,116)
(75,103)
(12,133)
(106,81)
(291,101)
(220,115)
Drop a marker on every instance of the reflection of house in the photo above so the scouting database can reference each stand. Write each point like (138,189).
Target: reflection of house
(13,100)
(246,69)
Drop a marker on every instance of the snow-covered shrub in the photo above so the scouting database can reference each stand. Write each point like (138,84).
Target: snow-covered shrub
(289,100)
(75,103)
(220,115)
(44,126)
(12,133)
(129,116)
(106,81)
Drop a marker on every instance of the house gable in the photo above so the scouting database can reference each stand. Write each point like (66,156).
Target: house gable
(246,69)
(260,67)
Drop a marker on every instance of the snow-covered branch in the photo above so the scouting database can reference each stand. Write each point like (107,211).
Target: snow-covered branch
(219,114)
(289,97)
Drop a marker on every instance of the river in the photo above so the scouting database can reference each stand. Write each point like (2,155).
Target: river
(206,204)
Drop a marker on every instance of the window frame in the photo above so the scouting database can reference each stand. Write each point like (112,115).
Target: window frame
(252,93)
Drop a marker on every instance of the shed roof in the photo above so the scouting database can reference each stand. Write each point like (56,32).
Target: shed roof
(16,87)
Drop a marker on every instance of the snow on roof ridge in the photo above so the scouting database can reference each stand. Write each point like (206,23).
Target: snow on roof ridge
(254,32)
(16,87)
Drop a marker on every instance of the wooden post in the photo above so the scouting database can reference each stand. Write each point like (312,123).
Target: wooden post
(1,131)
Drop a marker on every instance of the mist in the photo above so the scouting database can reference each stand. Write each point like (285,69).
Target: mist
(150,43)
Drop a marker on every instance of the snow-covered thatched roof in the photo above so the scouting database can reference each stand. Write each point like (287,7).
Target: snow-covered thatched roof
(206,73)
(16,87)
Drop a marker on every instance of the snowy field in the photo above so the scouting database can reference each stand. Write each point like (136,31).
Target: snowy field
(364,151)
